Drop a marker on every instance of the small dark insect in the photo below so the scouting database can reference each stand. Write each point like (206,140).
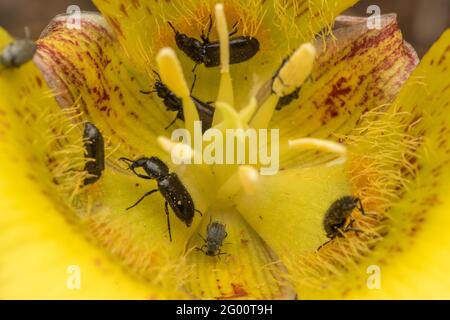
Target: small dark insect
(170,187)
(173,103)
(94,153)
(215,234)
(242,48)
(18,53)
(336,218)
(287,99)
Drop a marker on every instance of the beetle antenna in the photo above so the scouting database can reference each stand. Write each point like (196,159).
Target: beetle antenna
(201,237)
(171,124)
(157,74)
(147,92)
(173,28)
(193,83)
(361,208)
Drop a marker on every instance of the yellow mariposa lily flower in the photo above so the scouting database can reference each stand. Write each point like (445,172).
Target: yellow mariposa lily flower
(369,121)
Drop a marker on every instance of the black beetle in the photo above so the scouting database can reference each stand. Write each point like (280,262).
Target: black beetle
(174,103)
(242,48)
(215,234)
(18,53)
(335,219)
(94,153)
(286,99)
(169,185)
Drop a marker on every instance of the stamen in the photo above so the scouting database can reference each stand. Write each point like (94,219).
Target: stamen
(295,71)
(172,75)
(226,93)
(222,30)
(290,77)
(321,145)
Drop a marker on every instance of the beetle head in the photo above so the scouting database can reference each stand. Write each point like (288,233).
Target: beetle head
(155,168)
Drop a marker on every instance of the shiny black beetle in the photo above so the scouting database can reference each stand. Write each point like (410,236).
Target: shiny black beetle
(215,234)
(170,187)
(94,153)
(242,48)
(335,221)
(174,103)
(18,53)
(286,99)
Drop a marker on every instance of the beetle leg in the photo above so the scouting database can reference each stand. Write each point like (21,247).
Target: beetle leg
(147,92)
(168,221)
(201,249)
(360,208)
(171,123)
(193,83)
(357,230)
(324,245)
(142,198)
(341,232)
(195,67)
(199,212)
(220,253)
(234,29)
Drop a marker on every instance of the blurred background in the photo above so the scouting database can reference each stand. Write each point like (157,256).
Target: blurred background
(422,21)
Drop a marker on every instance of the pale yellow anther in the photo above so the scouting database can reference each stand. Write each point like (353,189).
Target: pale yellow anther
(171,72)
(248,177)
(172,76)
(295,70)
(321,145)
(291,76)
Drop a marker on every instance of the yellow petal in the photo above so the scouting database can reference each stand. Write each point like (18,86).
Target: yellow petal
(88,67)
(43,250)
(419,236)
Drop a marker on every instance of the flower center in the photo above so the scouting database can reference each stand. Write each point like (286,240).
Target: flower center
(255,115)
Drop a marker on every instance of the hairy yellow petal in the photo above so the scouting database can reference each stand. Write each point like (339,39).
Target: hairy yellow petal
(45,253)
(90,69)
(411,261)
